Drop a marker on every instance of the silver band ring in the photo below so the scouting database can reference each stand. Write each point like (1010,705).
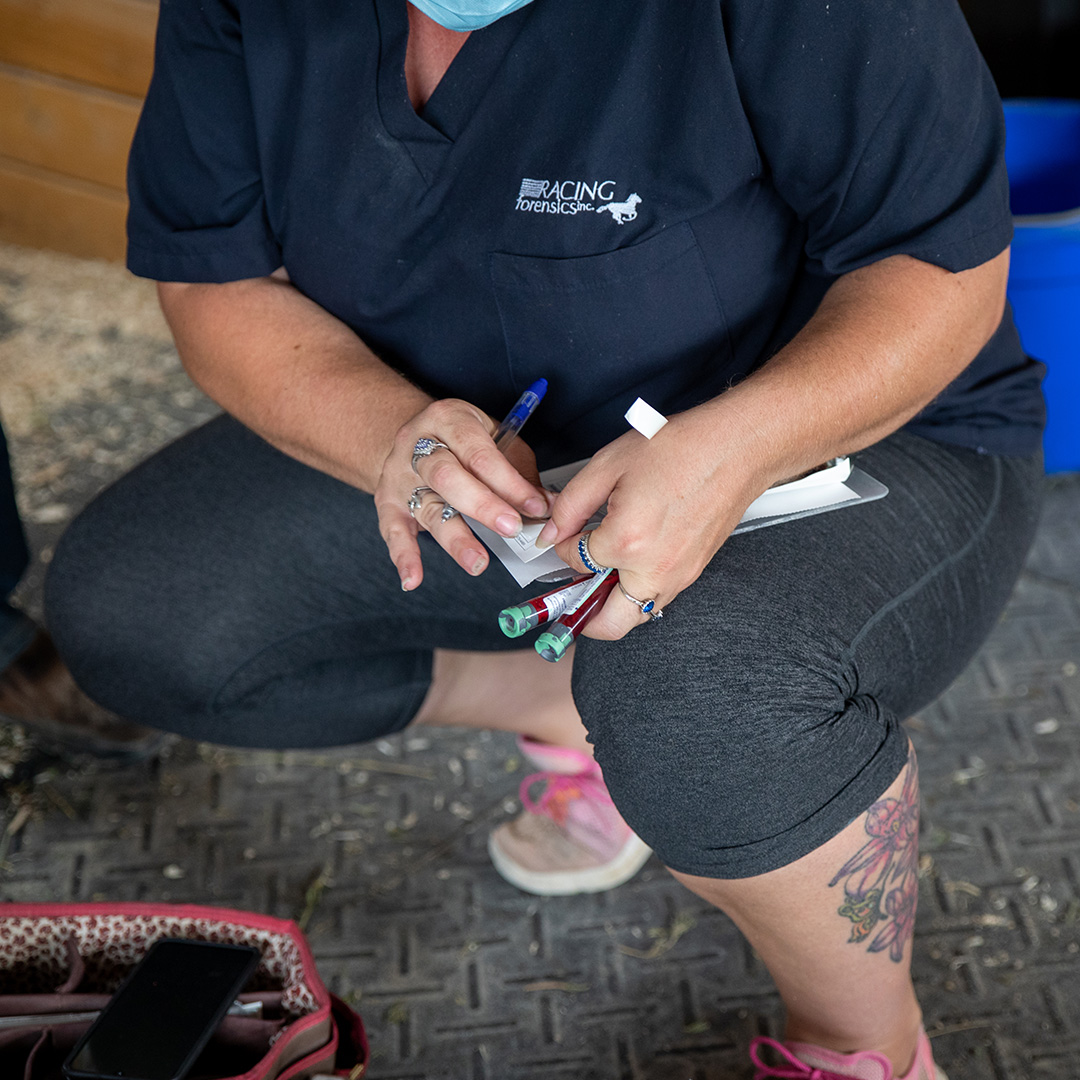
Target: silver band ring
(586,558)
(648,607)
(425,447)
(416,499)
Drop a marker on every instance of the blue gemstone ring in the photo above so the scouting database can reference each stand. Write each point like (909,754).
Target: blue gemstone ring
(648,607)
(583,554)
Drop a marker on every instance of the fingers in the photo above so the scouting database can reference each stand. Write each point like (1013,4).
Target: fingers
(472,473)
(652,570)
(523,459)
(446,452)
(610,544)
(615,619)
(399,532)
(400,529)
(577,503)
(443,472)
(619,614)
(451,534)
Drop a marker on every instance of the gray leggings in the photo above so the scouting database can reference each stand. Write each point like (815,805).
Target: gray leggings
(226,592)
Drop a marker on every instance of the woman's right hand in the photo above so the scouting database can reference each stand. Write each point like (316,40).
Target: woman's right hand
(467,473)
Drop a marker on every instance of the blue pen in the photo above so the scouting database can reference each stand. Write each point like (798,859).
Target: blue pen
(515,419)
(508,430)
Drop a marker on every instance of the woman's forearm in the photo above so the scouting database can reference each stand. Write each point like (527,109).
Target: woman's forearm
(884,342)
(291,372)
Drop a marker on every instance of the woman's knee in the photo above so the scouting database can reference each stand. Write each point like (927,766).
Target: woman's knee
(119,627)
(230,662)
(734,776)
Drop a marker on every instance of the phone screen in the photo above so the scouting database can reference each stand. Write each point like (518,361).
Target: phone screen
(165,1012)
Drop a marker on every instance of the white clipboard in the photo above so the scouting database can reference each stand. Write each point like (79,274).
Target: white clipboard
(832,487)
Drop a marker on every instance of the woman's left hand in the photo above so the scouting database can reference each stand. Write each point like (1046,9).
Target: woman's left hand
(672,502)
(884,341)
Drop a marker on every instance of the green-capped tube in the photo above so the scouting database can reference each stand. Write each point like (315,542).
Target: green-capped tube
(553,643)
(520,619)
(515,621)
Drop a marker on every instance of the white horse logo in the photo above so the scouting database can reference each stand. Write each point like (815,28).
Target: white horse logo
(622,211)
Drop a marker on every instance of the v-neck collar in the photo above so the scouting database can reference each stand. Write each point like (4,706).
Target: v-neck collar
(429,134)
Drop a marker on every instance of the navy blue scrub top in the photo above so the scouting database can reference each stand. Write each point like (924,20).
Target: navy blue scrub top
(626,198)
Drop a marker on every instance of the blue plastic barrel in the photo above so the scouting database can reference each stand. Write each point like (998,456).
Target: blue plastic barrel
(1042,153)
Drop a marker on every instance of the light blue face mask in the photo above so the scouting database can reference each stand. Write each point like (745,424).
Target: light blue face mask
(467,14)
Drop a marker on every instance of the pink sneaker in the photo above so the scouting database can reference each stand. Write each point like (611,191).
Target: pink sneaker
(802,1061)
(571,839)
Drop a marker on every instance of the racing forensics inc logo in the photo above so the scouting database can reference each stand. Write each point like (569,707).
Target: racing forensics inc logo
(575,197)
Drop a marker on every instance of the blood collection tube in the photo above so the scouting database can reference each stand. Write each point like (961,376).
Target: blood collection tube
(564,631)
(520,619)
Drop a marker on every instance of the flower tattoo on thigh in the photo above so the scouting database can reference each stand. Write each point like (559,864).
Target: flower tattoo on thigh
(881,880)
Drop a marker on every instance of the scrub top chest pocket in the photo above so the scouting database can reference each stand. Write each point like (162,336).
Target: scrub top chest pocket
(643,319)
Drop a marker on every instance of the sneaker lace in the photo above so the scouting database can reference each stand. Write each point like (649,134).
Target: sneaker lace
(793,1068)
(579,804)
(561,792)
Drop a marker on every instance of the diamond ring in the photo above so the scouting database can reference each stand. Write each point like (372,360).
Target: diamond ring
(425,447)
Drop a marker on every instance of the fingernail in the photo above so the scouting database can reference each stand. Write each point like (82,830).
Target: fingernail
(547,535)
(478,565)
(508,525)
(535,507)
(406,584)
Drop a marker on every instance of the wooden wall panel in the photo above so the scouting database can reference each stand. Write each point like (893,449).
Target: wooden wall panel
(72,77)
(106,43)
(42,209)
(76,130)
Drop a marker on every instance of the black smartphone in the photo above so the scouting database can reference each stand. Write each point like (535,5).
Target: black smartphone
(156,1024)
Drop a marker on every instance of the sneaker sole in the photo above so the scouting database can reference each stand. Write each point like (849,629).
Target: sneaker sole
(633,856)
